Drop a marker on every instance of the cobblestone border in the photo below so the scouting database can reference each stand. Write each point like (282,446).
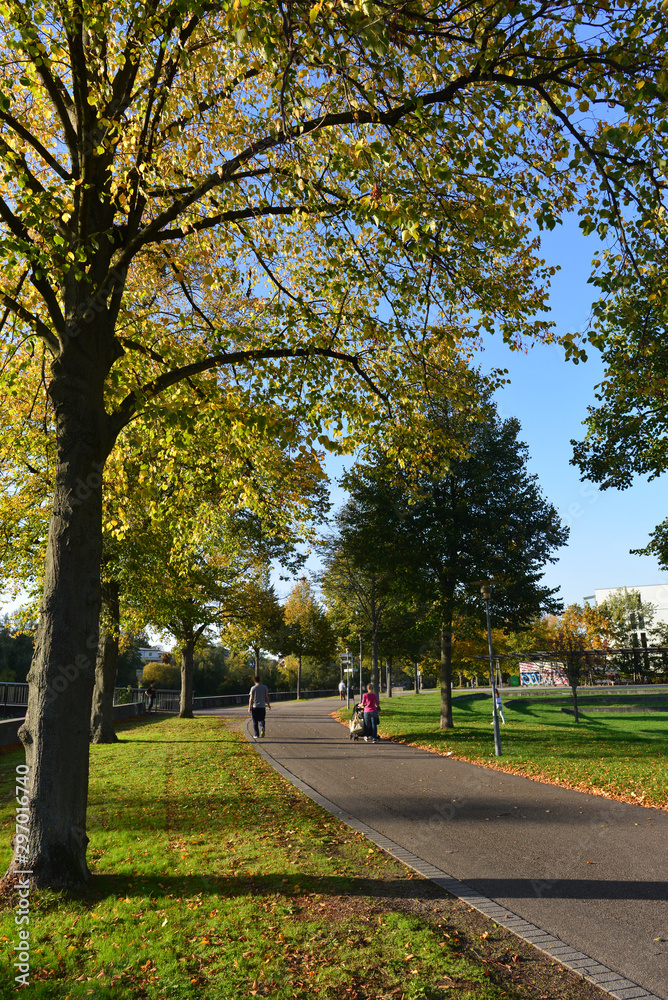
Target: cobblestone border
(608,980)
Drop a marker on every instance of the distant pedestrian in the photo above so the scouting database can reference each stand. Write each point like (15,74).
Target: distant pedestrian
(499,708)
(258,702)
(370,707)
(151,692)
(342,690)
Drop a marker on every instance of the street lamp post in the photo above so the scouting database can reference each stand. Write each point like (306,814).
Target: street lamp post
(485,590)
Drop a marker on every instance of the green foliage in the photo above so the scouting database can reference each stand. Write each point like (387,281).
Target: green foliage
(262,626)
(164,675)
(630,618)
(210,668)
(317,674)
(129,659)
(308,629)
(16,649)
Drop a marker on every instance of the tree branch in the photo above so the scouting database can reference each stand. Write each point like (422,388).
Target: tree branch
(129,406)
(34,322)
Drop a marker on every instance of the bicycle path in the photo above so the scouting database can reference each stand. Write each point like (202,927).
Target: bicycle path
(589,871)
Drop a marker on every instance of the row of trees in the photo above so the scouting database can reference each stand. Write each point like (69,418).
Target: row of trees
(279,224)
(414,542)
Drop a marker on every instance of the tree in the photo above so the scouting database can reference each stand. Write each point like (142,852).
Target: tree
(189,582)
(573,637)
(182,193)
(263,627)
(368,581)
(308,631)
(485,518)
(153,489)
(16,649)
(630,624)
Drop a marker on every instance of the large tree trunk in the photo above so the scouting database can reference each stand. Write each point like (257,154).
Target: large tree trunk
(446,675)
(299,676)
(57,726)
(389,676)
(187,672)
(106,666)
(574,689)
(375,678)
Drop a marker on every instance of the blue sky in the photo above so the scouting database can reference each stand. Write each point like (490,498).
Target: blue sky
(550,397)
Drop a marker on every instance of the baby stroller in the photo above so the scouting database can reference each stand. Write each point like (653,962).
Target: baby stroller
(357,723)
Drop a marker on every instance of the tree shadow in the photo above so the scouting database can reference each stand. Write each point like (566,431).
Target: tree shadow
(131,886)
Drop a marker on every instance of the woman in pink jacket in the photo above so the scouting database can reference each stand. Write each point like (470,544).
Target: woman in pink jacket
(370,707)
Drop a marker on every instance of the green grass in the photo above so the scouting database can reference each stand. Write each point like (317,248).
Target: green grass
(215,878)
(623,757)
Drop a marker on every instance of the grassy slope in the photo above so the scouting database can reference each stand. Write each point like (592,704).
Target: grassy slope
(215,878)
(620,756)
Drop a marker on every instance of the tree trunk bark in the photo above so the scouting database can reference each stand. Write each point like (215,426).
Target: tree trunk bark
(299,676)
(375,679)
(574,689)
(56,731)
(256,653)
(187,670)
(102,716)
(446,675)
(389,676)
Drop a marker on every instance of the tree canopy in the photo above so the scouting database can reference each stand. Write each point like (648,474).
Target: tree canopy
(485,518)
(203,206)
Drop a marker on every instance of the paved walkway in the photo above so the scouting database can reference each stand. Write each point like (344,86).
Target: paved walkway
(590,871)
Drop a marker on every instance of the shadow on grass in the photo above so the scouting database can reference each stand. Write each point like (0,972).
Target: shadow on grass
(102,886)
(194,742)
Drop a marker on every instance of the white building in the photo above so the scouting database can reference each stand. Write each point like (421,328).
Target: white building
(150,655)
(656,594)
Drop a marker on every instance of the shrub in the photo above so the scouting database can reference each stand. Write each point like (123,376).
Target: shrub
(163,675)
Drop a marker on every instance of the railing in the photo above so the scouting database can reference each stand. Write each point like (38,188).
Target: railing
(13,694)
(167,700)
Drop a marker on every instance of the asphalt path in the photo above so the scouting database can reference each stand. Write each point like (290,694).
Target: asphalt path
(588,870)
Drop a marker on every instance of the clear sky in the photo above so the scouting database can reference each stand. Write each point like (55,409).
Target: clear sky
(550,397)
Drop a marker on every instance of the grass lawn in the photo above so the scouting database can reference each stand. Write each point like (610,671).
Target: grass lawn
(620,756)
(215,878)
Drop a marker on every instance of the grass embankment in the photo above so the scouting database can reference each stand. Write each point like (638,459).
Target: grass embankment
(215,878)
(619,756)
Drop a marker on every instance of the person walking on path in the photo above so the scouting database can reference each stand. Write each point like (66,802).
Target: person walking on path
(151,692)
(258,702)
(499,708)
(370,707)
(342,690)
